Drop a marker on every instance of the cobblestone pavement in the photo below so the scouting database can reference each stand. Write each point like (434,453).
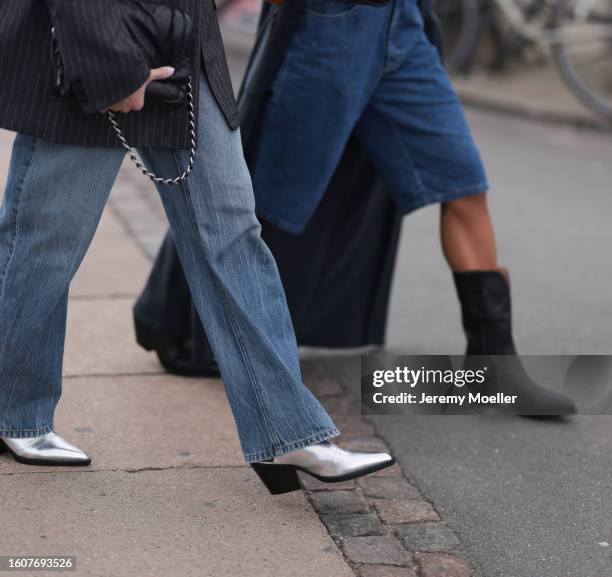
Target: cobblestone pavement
(382,523)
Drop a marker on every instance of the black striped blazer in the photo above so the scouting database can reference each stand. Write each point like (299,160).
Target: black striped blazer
(107,68)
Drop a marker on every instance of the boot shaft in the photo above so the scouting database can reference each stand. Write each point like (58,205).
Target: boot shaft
(486,312)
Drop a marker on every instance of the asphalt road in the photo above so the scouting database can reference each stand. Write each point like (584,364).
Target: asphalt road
(528,498)
(551,200)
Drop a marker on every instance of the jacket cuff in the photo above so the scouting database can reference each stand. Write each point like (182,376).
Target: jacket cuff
(128,87)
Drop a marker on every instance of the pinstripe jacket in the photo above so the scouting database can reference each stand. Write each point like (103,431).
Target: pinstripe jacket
(100,56)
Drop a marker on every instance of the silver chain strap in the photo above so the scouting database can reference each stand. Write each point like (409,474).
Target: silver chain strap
(139,164)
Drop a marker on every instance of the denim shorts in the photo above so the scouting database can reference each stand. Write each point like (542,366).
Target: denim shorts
(370,71)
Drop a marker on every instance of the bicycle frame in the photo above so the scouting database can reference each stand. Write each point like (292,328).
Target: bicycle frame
(542,32)
(535,32)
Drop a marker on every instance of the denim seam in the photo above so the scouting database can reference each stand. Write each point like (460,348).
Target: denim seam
(326,16)
(407,152)
(442,197)
(390,29)
(276,87)
(16,217)
(281,222)
(272,433)
(25,433)
(249,366)
(283,448)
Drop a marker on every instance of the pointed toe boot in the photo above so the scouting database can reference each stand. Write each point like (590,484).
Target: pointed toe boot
(49,449)
(325,461)
(487,322)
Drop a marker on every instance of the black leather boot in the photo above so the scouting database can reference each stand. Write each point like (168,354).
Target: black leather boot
(487,321)
(178,355)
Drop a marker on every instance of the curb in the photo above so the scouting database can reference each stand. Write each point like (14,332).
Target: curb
(475,97)
(382,523)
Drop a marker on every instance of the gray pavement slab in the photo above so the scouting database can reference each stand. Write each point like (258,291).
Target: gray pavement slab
(100,339)
(208,522)
(100,335)
(533,91)
(140,422)
(6,140)
(113,265)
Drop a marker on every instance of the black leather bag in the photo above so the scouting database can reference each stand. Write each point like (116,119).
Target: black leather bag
(165,37)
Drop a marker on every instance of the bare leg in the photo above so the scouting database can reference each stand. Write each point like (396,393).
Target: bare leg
(468,242)
(466,231)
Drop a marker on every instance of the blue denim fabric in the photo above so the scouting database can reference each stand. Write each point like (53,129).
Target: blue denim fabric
(53,202)
(373,71)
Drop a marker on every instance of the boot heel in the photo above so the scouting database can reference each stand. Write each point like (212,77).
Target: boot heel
(145,337)
(277,478)
(3,447)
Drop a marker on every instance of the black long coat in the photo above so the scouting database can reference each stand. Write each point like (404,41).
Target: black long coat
(104,66)
(337,274)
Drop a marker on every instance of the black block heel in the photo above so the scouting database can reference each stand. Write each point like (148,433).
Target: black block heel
(277,478)
(3,447)
(147,338)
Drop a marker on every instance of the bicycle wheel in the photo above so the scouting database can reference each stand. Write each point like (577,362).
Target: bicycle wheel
(583,50)
(460,25)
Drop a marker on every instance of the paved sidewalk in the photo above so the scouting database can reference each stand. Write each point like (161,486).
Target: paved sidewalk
(168,492)
(530,91)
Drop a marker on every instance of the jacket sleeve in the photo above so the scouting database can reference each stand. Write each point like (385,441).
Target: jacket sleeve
(101,61)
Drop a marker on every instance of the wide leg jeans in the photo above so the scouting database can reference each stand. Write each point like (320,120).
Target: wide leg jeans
(53,202)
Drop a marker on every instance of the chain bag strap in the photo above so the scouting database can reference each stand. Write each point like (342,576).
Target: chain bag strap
(164,34)
(138,162)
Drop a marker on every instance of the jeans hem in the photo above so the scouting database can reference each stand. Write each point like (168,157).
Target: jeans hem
(441,197)
(283,448)
(26,433)
(287,225)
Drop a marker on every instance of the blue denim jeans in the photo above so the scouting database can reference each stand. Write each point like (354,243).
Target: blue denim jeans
(53,202)
(372,72)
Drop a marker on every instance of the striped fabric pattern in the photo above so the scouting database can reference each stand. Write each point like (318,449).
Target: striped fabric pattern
(107,69)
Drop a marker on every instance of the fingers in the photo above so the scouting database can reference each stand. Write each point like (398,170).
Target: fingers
(115,108)
(161,73)
(136,101)
(125,105)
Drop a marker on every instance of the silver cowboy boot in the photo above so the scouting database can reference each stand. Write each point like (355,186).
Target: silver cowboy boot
(48,449)
(325,461)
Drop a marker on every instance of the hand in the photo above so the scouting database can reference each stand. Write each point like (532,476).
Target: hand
(136,100)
